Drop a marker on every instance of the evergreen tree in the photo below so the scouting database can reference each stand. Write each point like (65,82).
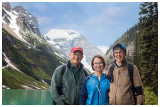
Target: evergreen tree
(149,44)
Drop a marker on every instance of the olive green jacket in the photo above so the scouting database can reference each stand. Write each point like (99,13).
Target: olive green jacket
(64,89)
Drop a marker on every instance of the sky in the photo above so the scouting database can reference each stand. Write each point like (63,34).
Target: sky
(102,23)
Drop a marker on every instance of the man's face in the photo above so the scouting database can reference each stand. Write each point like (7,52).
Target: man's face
(119,55)
(75,57)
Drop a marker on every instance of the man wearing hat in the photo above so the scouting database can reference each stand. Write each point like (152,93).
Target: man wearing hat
(67,79)
(126,85)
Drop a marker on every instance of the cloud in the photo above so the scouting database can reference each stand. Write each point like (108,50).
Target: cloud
(40,6)
(43,21)
(108,16)
(114,11)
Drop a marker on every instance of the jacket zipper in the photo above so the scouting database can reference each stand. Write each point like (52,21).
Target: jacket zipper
(76,88)
(117,86)
(78,84)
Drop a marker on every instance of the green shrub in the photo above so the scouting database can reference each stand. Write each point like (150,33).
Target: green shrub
(150,97)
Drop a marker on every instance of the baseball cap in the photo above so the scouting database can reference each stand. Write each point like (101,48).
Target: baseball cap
(121,46)
(77,48)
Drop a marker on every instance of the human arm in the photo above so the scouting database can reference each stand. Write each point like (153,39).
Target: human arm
(84,93)
(138,87)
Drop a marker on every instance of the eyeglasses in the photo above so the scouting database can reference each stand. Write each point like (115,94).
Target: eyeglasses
(121,52)
(96,64)
(78,55)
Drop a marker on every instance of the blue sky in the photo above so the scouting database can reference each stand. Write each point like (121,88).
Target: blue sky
(101,23)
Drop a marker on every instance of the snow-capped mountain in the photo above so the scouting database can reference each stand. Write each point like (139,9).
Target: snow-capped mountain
(19,19)
(103,49)
(67,38)
(21,24)
(25,51)
(9,21)
(24,26)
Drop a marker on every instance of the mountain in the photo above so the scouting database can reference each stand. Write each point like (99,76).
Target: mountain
(65,39)
(28,60)
(103,49)
(128,39)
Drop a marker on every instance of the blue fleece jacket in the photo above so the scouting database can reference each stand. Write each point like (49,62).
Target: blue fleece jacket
(89,93)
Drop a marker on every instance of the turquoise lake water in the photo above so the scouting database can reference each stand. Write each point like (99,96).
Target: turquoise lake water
(26,97)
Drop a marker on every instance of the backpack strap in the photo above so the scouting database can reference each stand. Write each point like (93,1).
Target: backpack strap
(85,73)
(63,70)
(111,72)
(130,71)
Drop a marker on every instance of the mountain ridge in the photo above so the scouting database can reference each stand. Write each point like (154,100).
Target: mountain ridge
(65,39)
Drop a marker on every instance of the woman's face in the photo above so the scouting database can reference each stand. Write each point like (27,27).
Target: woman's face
(98,65)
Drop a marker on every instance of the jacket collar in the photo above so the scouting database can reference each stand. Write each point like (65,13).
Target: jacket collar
(80,66)
(123,63)
(102,77)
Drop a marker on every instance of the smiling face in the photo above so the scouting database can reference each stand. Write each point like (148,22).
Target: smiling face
(75,57)
(98,65)
(119,55)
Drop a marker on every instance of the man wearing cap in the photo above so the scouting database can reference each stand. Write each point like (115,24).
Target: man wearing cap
(124,84)
(67,79)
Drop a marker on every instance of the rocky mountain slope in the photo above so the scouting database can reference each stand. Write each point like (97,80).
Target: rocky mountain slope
(28,61)
(65,39)
(128,40)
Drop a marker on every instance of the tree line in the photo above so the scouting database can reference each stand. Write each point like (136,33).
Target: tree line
(146,45)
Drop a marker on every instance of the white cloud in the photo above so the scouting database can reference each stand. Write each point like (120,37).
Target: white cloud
(107,16)
(40,6)
(44,20)
(114,11)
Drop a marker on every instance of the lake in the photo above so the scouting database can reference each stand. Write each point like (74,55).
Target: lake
(26,97)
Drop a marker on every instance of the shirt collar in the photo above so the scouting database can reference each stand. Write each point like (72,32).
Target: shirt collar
(72,66)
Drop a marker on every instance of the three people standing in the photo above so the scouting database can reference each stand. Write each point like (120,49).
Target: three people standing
(122,81)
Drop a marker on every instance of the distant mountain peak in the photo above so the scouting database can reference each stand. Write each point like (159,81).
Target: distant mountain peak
(67,38)
(6,6)
(68,34)
(19,9)
(20,20)
(103,49)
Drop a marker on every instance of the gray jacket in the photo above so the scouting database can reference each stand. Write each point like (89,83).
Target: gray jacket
(64,89)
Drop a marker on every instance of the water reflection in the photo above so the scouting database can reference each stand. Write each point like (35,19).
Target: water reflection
(26,97)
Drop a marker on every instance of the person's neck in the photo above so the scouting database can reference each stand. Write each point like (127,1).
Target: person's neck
(119,63)
(98,74)
(75,65)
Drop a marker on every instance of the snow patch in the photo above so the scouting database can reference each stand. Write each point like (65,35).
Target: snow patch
(5,87)
(9,63)
(13,24)
(67,34)
(44,82)
(86,65)
(26,87)
(59,55)
(103,49)
(35,87)
(43,87)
